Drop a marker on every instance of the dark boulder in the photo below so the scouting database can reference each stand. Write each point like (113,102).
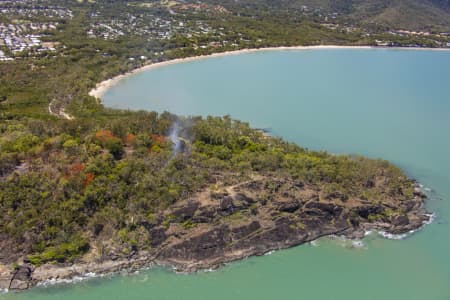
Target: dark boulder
(21,278)
(299,184)
(411,204)
(279,235)
(218,196)
(337,195)
(244,198)
(204,214)
(365,211)
(245,230)
(207,245)
(324,208)
(113,256)
(370,183)
(157,236)
(401,220)
(290,206)
(226,205)
(185,212)
(418,192)
(311,223)
(253,185)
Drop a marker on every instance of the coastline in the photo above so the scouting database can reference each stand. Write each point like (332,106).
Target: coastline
(185,252)
(60,274)
(101,88)
(49,275)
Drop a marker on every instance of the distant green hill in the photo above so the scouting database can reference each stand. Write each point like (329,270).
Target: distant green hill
(404,14)
(399,14)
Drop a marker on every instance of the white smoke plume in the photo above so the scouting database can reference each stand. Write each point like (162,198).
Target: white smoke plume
(175,138)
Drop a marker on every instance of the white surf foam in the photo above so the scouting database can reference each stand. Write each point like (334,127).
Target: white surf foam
(314,243)
(75,279)
(402,236)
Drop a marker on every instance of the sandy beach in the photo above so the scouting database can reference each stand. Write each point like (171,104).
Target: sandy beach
(102,87)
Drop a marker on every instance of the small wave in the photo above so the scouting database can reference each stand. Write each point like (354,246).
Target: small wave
(314,243)
(358,244)
(368,232)
(144,279)
(431,218)
(269,253)
(74,279)
(209,270)
(392,236)
(348,243)
(177,271)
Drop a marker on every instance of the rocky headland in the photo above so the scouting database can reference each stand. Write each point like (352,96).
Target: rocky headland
(214,227)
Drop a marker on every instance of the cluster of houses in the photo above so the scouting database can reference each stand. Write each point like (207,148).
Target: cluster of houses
(23,33)
(18,38)
(440,39)
(202,7)
(32,8)
(418,33)
(147,25)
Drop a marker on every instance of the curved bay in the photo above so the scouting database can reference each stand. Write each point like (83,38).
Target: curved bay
(393,104)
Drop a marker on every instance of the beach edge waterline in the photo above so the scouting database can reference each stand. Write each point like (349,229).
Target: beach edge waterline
(102,87)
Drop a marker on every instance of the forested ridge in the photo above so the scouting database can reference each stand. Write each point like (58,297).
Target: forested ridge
(64,182)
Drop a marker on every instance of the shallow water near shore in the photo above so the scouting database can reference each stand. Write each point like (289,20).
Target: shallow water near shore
(393,104)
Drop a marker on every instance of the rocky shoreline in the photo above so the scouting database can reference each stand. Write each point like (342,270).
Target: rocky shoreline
(215,228)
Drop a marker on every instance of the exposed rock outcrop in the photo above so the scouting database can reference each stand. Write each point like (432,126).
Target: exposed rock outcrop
(252,218)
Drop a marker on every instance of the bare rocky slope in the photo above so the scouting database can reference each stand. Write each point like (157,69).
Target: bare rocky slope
(232,222)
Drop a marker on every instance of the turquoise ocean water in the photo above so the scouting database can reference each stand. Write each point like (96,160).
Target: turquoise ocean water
(393,104)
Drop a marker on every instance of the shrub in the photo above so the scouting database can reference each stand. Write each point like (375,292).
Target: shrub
(107,140)
(65,252)
(70,146)
(25,143)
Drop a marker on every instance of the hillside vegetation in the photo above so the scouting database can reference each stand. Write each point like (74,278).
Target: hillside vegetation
(397,14)
(64,183)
